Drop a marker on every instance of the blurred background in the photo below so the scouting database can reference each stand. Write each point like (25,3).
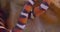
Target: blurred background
(47,22)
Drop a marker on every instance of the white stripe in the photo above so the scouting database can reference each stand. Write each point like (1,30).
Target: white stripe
(2,27)
(21,26)
(25,14)
(44,6)
(31,2)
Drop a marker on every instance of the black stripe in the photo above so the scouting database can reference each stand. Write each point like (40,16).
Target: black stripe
(28,3)
(24,11)
(45,3)
(41,8)
(22,16)
(29,15)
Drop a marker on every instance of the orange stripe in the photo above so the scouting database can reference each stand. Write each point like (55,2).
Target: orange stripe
(23,20)
(38,12)
(28,8)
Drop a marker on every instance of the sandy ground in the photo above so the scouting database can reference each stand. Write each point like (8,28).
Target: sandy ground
(57,2)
